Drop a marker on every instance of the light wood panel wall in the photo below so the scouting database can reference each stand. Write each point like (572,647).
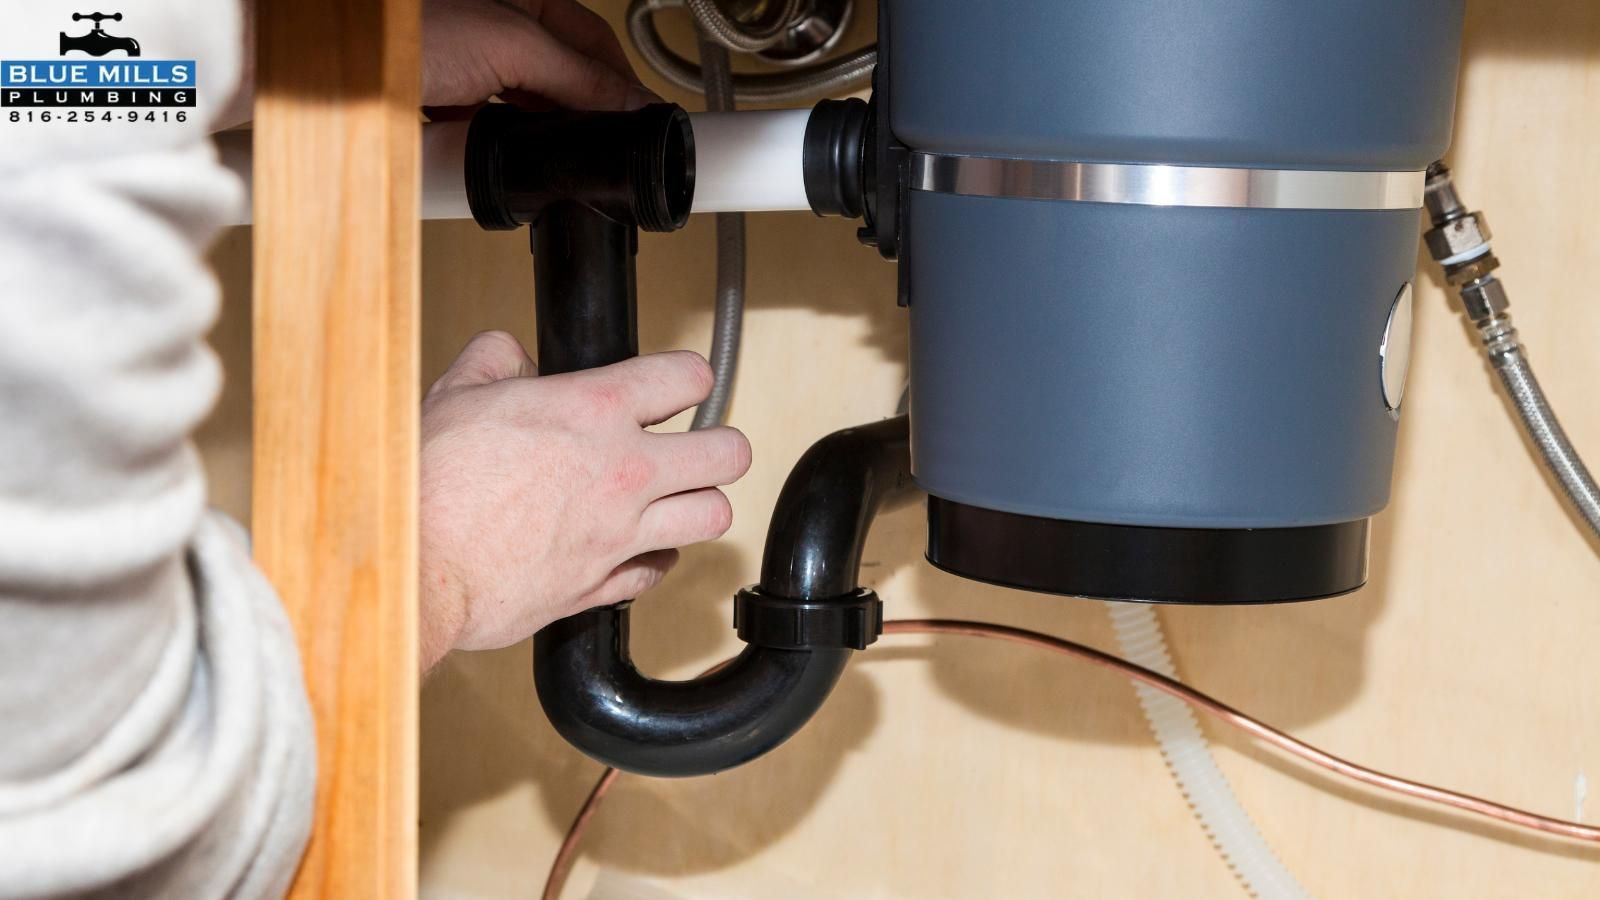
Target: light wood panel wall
(336,374)
(948,769)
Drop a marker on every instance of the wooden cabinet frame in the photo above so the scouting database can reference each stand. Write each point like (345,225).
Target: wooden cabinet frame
(336,367)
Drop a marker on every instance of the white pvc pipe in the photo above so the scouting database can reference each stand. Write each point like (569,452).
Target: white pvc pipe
(444,173)
(444,189)
(749,161)
(744,162)
(1189,758)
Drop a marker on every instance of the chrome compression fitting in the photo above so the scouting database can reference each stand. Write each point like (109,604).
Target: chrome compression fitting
(1459,240)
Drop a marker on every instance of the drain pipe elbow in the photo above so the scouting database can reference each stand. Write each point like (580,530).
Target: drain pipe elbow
(600,703)
(820,523)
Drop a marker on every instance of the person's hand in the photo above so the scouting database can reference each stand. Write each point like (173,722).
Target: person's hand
(554,50)
(545,496)
(537,52)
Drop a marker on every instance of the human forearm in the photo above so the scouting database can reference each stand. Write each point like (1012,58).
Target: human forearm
(556,50)
(240,108)
(154,729)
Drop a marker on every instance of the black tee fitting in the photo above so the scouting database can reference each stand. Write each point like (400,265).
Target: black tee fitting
(635,168)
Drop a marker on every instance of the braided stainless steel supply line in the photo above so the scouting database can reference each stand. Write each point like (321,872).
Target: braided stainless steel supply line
(735,36)
(1541,424)
(727,325)
(842,75)
(1460,242)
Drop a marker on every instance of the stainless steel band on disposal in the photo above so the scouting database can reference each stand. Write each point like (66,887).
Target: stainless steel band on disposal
(1149,184)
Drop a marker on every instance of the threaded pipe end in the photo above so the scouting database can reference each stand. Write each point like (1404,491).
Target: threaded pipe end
(486,195)
(662,164)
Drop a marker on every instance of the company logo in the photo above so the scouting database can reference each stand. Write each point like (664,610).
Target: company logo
(117,77)
(97,42)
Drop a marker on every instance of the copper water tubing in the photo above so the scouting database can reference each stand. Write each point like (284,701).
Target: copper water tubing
(1509,815)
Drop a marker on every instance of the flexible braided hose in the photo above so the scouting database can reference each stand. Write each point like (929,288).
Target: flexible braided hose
(1469,264)
(838,76)
(1510,361)
(727,325)
(736,36)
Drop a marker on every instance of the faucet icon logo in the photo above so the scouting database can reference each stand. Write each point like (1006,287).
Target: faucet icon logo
(97,42)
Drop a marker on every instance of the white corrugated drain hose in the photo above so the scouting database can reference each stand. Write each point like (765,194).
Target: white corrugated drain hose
(1183,745)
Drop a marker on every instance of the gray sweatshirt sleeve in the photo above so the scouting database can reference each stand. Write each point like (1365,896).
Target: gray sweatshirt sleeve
(154,733)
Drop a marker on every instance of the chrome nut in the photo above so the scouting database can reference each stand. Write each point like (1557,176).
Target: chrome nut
(1485,299)
(1474,269)
(1458,236)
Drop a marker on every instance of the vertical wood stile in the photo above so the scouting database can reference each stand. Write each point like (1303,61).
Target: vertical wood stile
(336,367)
